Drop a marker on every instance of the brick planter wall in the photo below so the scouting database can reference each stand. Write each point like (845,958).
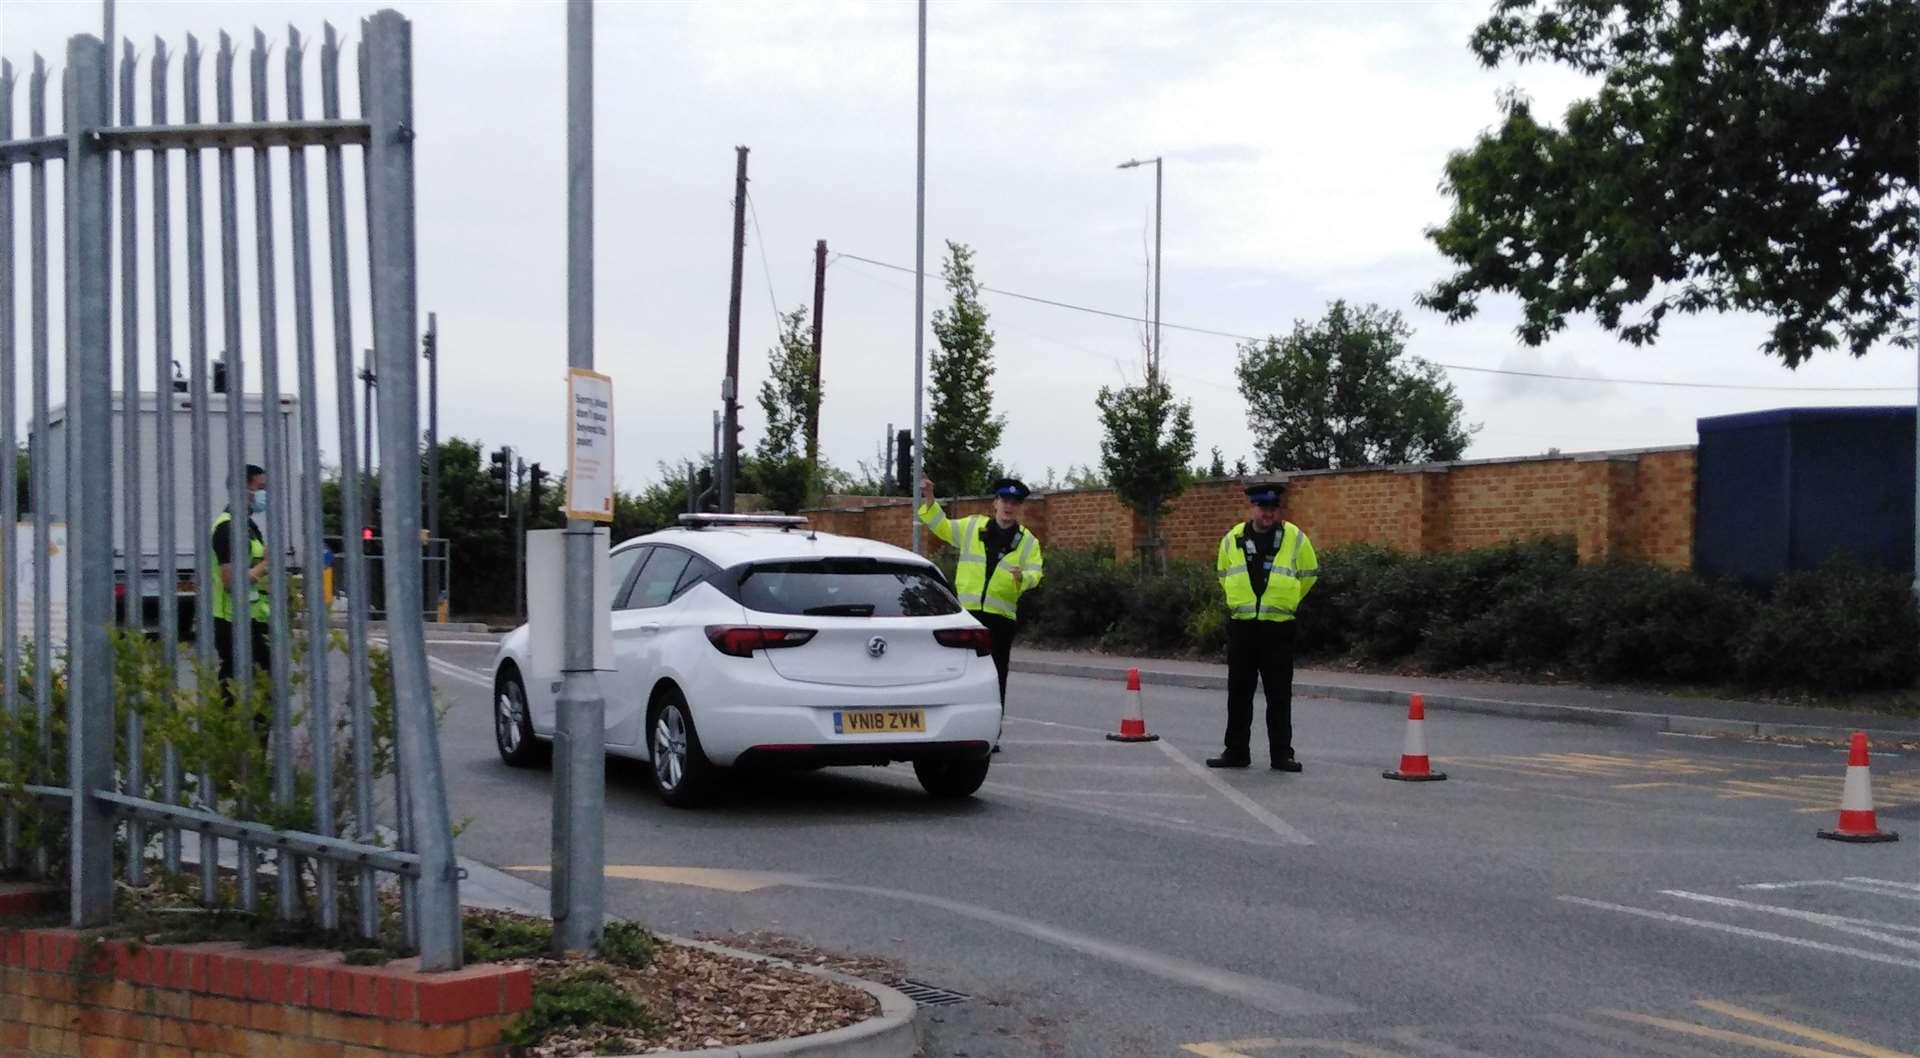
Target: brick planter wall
(1635,505)
(226,1000)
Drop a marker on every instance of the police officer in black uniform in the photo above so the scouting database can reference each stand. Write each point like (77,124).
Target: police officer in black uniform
(1266,567)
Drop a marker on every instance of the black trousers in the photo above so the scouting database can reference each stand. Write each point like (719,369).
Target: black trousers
(1260,651)
(1003,630)
(262,659)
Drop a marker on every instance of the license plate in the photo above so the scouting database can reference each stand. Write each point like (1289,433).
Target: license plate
(879,721)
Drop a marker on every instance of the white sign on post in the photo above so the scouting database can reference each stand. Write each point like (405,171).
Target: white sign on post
(590,445)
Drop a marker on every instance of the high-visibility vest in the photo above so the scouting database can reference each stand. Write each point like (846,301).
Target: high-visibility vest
(258,606)
(1295,571)
(999,595)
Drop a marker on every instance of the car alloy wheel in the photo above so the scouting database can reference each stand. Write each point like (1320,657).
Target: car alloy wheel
(513,724)
(670,748)
(506,720)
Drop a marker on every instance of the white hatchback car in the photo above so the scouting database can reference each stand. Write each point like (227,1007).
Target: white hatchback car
(751,641)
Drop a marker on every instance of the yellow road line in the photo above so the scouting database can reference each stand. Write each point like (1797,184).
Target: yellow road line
(1794,1028)
(1233,1048)
(1687,1028)
(726,881)
(1229,1049)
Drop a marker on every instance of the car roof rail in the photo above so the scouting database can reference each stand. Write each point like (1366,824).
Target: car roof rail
(766,521)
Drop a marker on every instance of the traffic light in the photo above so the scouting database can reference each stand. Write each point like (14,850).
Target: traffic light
(903,463)
(502,472)
(536,483)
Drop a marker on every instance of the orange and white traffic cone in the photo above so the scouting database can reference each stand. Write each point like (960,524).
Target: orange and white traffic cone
(1133,726)
(1414,765)
(1856,801)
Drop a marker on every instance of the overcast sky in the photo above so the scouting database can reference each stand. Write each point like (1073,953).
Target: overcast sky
(1303,144)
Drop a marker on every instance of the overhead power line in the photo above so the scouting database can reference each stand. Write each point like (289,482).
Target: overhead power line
(1543,375)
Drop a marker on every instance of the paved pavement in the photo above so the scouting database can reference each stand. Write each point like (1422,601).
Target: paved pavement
(1571,892)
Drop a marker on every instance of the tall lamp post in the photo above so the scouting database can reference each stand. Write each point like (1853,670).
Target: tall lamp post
(1153,360)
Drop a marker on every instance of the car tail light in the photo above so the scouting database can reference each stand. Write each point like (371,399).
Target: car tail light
(979,639)
(741,641)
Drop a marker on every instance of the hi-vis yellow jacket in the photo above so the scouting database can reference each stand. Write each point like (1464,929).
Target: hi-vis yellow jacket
(1295,571)
(1001,595)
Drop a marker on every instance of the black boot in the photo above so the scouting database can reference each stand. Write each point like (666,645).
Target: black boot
(1228,760)
(1286,764)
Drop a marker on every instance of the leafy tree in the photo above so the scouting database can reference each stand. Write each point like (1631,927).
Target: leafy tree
(788,398)
(962,430)
(1146,448)
(1336,393)
(1077,477)
(1218,468)
(1738,156)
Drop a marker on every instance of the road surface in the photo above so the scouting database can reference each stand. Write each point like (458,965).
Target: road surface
(1570,892)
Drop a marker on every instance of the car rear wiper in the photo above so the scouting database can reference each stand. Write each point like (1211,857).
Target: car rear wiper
(844,609)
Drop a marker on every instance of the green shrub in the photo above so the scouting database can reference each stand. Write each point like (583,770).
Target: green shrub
(1158,612)
(1083,594)
(586,999)
(1634,622)
(1524,608)
(626,944)
(498,936)
(1207,627)
(1841,628)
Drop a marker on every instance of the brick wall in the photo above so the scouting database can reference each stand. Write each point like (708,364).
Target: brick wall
(1636,505)
(222,999)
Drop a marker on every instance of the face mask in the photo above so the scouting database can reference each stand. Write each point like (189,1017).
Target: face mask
(260,502)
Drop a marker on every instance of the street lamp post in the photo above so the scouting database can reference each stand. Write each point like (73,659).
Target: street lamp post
(1153,361)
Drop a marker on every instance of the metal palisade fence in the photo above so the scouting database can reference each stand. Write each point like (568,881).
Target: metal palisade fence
(326,712)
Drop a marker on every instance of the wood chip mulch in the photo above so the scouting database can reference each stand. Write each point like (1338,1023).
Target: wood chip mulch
(702,999)
(780,946)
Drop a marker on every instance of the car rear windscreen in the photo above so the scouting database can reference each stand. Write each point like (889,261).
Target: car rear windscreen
(846,588)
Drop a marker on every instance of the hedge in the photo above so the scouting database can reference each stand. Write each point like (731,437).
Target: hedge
(1522,609)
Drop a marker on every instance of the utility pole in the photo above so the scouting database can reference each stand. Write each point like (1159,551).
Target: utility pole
(436,571)
(520,545)
(1153,349)
(580,742)
(367,377)
(819,316)
(730,386)
(920,281)
(1158,168)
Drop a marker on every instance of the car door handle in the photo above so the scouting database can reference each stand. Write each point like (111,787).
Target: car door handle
(649,630)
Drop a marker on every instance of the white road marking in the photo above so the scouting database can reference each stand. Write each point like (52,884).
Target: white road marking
(1850,886)
(1265,818)
(459,672)
(1741,931)
(1055,723)
(1843,923)
(1055,765)
(1882,881)
(1135,793)
(1135,816)
(1270,996)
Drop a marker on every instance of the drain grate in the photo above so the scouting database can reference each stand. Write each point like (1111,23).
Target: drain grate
(927,995)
